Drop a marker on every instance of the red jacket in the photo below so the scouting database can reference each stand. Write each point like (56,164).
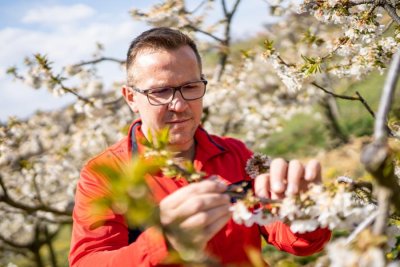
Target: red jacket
(102,239)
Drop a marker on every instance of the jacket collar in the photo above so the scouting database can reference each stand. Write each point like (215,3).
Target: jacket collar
(206,146)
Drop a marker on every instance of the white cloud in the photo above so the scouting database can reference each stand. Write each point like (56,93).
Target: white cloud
(58,14)
(64,44)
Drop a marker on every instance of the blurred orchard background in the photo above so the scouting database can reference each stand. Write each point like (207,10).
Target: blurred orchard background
(290,78)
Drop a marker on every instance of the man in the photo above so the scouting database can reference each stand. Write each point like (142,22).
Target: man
(165,86)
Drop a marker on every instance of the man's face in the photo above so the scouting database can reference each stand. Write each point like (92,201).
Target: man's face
(163,68)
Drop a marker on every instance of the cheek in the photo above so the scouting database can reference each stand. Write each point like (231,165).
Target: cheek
(197,109)
(154,115)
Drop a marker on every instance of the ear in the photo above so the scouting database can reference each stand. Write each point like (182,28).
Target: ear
(130,98)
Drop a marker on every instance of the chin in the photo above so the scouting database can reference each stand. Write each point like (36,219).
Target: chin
(180,141)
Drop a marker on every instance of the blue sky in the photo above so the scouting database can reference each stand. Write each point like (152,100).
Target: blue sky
(67,32)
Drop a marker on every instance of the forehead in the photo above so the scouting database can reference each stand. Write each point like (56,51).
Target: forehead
(160,67)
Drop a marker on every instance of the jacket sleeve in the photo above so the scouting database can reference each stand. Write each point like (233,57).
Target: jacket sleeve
(102,239)
(280,235)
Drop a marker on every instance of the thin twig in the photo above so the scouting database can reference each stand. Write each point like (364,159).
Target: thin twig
(14,244)
(198,7)
(194,28)
(362,100)
(4,188)
(335,95)
(71,91)
(358,98)
(384,196)
(98,60)
(37,191)
(5,198)
(235,6)
(361,227)
(224,8)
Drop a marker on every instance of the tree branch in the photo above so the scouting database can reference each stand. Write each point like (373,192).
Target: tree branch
(364,224)
(380,131)
(194,28)
(14,244)
(198,7)
(360,2)
(224,9)
(365,104)
(392,12)
(71,91)
(384,195)
(377,158)
(235,6)
(28,208)
(98,60)
(358,98)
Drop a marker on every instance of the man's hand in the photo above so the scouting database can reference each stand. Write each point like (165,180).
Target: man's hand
(194,214)
(287,178)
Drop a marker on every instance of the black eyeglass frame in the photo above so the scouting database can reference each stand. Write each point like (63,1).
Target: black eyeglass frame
(176,88)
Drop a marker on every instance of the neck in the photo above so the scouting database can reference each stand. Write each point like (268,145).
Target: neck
(187,154)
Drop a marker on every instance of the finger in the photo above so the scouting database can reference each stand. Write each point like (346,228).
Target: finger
(205,218)
(278,178)
(295,175)
(212,229)
(196,204)
(261,185)
(313,171)
(181,195)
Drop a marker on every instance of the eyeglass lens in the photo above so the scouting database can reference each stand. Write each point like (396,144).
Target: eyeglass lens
(190,91)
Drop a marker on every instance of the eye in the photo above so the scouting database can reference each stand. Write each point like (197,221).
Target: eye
(191,86)
(163,92)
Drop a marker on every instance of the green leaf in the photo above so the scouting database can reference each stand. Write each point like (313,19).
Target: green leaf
(269,47)
(312,65)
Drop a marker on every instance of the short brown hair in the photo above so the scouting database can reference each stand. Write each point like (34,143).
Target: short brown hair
(158,38)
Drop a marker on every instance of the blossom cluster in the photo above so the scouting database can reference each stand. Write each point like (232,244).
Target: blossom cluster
(353,40)
(318,207)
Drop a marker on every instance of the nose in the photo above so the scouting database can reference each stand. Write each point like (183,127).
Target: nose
(178,104)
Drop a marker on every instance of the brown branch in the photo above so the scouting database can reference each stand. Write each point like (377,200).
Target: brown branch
(198,7)
(362,100)
(388,6)
(360,2)
(358,98)
(98,60)
(50,246)
(392,12)
(235,6)
(5,198)
(114,102)
(71,91)
(37,191)
(14,244)
(224,8)
(194,28)
(224,52)
(335,95)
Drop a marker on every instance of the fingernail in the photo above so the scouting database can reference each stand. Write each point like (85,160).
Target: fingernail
(221,185)
(290,191)
(277,187)
(309,176)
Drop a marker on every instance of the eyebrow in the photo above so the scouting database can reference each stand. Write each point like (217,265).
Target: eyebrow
(171,86)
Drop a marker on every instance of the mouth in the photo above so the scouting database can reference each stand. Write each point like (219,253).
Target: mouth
(178,121)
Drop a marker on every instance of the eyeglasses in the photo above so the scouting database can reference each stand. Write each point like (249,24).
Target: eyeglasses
(162,96)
